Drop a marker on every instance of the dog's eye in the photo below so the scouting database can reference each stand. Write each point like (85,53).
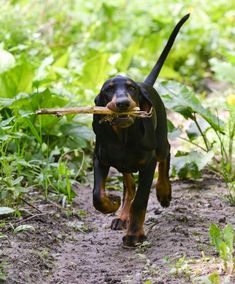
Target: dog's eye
(130,88)
(109,88)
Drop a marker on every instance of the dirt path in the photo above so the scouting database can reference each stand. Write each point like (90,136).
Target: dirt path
(72,249)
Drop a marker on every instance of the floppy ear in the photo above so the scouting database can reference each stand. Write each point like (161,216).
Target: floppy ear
(148,140)
(99,100)
(96,100)
(145,99)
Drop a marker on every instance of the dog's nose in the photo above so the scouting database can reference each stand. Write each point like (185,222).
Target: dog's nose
(123,104)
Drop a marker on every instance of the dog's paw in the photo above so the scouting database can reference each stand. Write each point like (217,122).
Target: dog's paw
(132,241)
(107,204)
(118,224)
(164,200)
(164,194)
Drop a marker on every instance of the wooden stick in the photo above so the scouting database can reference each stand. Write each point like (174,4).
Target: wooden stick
(92,110)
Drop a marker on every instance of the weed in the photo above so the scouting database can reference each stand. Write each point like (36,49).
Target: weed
(66,67)
(210,270)
(3,274)
(81,213)
(181,268)
(212,278)
(211,138)
(23,228)
(223,240)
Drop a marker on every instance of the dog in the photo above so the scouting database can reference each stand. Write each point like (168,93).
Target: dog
(132,144)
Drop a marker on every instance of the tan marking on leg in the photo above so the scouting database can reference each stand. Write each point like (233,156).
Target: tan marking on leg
(163,185)
(128,196)
(107,203)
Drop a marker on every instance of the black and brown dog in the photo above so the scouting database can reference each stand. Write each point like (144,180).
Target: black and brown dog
(132,145)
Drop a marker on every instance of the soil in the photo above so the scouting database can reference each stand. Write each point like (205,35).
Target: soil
(78,246)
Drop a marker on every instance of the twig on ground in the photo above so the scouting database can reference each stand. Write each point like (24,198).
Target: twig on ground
(31,205)
(34,216)
(11,225)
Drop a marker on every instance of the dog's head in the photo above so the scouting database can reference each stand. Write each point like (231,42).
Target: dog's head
(122,94)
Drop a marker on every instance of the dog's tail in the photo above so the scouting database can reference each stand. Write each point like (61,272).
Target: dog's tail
(150,80)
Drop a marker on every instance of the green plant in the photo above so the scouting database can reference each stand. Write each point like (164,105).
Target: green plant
(229,160)
(26,161)
(212,278)
(223,240)
(211,137)
(181,267)
(183,100)
(3,274)
(59,59)
(23,228)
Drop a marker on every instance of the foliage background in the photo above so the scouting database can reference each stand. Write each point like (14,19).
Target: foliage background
(58,53)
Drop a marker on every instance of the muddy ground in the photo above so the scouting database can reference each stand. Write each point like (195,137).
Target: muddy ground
(78,246)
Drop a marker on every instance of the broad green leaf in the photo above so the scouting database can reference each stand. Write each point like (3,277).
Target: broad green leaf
(223,251)
(6,122)
(62,61)
(35,101)
(7,60)
(23,228)
(5,102)
(179,98)
(229,236)
(216,237)
(6,210)
(193,131)
(77,134)
(17,180)
(190,164)
(173,132)
(32,102)
(16,80)
(95,70)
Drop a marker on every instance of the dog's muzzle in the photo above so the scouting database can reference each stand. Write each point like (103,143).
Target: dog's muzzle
(123,104)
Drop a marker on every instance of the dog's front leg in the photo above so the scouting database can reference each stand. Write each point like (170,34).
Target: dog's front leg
(135,231)
(122,220)
(103,202)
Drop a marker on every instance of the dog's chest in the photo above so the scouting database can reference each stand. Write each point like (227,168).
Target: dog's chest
(124,159)
(124,152)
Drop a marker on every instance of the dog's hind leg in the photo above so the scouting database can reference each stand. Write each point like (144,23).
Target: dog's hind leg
(121,221)
(163,185)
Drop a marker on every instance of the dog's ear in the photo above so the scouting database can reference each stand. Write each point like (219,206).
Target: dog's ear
(99,100)
(145,100)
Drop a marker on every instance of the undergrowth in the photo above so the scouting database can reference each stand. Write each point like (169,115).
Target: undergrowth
(57,54)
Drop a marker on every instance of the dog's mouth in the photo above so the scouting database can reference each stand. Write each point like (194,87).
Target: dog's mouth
(119,120)
(122,121)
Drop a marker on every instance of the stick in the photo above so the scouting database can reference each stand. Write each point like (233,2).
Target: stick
(92,110)
(31,205)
